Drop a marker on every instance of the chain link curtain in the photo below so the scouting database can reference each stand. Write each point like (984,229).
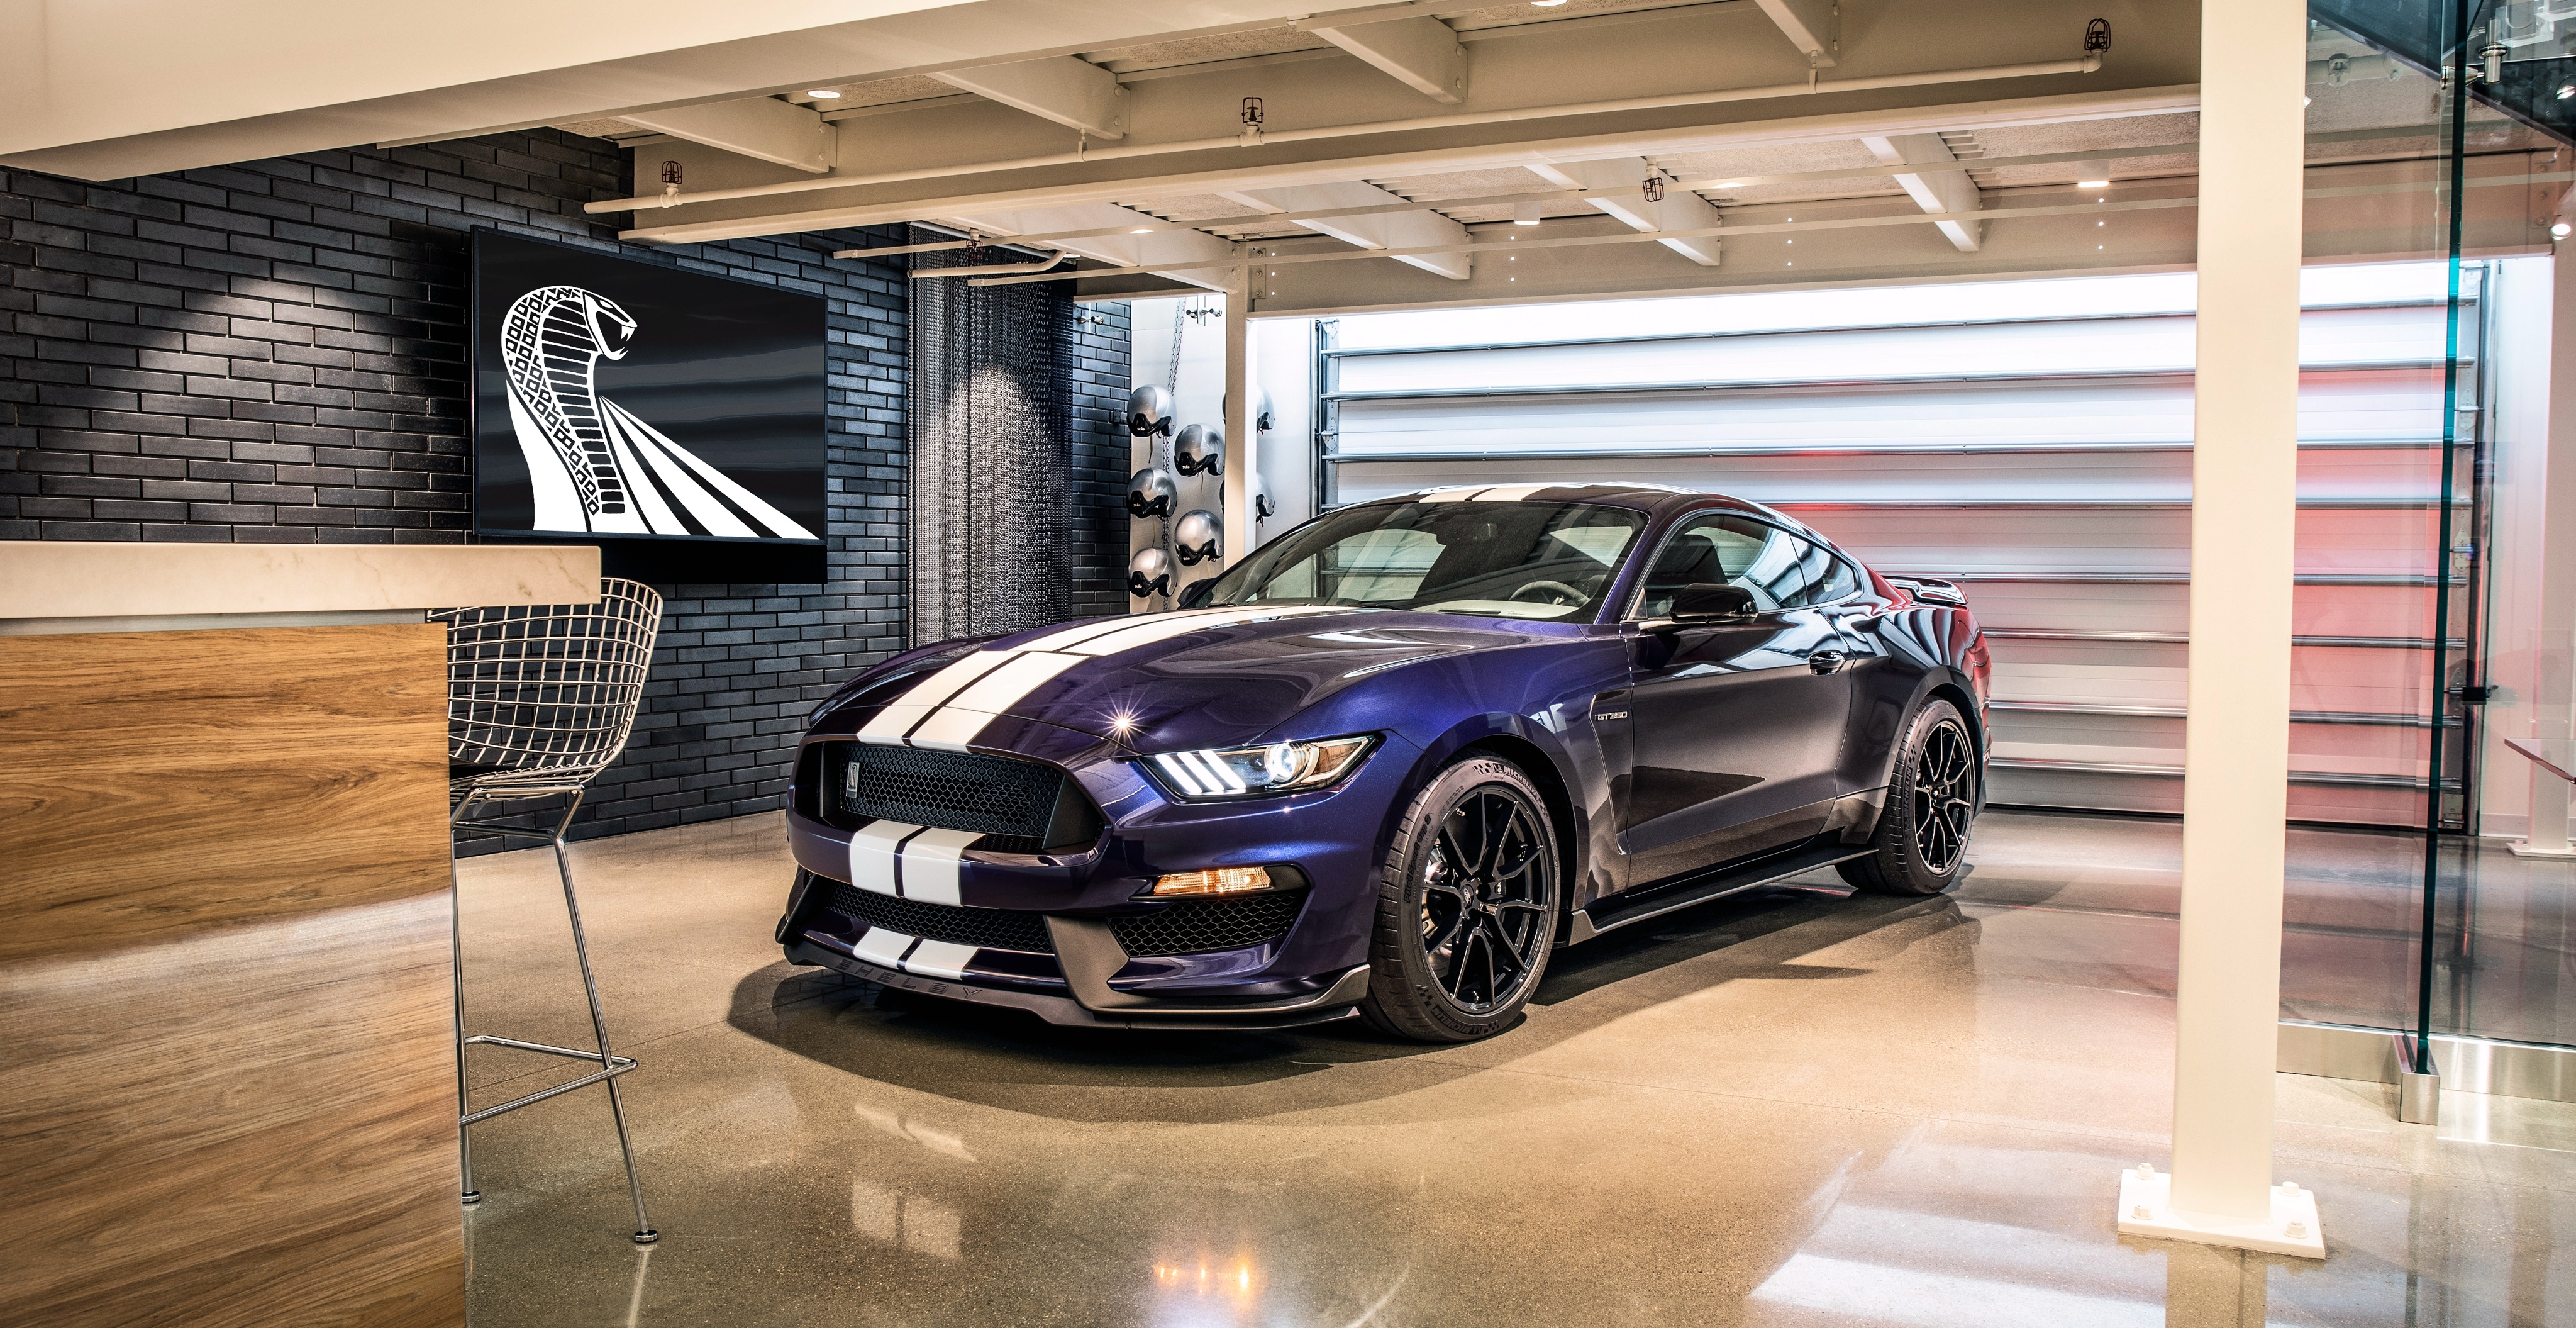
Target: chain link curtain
(991,458)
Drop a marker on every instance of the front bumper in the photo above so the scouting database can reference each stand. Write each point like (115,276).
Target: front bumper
(1339,1000)
(1062,960)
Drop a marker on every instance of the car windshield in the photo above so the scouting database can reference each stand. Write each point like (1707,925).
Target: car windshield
(1502,560)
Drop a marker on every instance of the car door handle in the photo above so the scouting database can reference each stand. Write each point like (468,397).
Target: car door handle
(1825,661)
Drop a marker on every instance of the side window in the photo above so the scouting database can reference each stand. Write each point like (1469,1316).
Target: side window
(1828,578)
(1771,563)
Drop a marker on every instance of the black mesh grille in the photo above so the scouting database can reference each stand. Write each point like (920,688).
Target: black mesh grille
(1208,924)
(1014,800)
(983,928)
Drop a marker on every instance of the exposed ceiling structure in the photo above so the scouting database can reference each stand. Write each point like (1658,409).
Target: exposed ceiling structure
(1421,153)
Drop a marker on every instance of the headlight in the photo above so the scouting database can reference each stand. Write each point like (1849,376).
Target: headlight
(1280,767)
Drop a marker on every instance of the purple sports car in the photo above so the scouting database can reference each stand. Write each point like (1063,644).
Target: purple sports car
(1388,763)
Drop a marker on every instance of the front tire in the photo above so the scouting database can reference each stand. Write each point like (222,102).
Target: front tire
(1467,906)
(1921,844)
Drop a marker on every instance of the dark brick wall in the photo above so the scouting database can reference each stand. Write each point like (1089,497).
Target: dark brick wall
(277,350)
(1097,358)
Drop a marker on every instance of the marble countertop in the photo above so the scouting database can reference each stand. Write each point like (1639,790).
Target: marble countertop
(57,586)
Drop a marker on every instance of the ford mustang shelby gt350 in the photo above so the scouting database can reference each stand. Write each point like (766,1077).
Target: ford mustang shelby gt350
(1387,763)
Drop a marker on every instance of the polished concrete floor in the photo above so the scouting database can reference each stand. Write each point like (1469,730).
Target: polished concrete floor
(1789,1108)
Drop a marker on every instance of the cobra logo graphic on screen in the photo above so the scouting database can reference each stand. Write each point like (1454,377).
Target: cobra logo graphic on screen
(616,397)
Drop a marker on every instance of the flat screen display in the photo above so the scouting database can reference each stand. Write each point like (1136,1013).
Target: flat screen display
(619,401)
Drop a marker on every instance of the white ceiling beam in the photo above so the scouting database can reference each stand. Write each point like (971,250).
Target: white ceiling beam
(1679,210)
(1935,192)
(763,128)
(1072,92)
(1168,252)
(1392,230)
(306,76)
(1421,53)
(1815,27)
(936,198)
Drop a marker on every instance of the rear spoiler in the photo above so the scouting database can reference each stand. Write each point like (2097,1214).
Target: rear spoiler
(1932,591)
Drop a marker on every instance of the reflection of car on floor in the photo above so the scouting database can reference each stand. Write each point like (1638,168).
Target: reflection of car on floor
(1387,763)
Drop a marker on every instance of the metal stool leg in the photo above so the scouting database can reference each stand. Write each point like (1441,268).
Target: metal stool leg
(456,960)
(644,1232)
(610,1065)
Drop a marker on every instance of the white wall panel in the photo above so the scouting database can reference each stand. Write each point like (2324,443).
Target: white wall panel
(2031,439)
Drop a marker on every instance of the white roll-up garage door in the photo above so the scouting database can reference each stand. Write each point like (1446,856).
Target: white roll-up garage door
(2001,436)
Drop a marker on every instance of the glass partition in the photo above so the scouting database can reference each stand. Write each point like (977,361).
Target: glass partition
(2432,135)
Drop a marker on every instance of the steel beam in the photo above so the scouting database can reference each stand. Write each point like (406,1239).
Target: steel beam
(1815,27)
(1421,53)
(1073,93)
(1164,253)
(1313,206)
(1678,210)
(762,128)
(1938,192)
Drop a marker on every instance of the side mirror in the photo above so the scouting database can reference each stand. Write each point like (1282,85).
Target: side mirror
(1709,601)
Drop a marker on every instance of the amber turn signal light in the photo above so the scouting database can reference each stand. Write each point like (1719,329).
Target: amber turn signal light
(1221,881)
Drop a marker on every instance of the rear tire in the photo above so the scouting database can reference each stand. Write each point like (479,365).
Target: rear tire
(1466,909)
(1921,844)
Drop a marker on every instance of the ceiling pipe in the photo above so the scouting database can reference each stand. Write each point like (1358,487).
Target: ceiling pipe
(2084,65)
(989,270)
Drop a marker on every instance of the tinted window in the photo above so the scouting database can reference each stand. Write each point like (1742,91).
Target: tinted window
(1782,570)
(1828,578)
(1509,560)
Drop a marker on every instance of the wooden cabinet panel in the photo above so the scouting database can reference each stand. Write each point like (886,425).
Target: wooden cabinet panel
(224,968)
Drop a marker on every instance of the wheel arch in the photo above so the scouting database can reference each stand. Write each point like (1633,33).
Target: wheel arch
(1962,700)
(1531,760)
(1507,738)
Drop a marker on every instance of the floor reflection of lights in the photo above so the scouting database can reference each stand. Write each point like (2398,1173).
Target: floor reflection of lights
(1206,1291)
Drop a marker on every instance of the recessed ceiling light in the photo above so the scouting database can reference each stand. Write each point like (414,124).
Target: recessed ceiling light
(1545,4)
(822,92)
(1730,184)
(1142,230)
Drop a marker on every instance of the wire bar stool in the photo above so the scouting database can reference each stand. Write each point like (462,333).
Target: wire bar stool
(540,699)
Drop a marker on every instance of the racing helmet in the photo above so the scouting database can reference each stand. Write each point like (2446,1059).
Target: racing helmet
(1198,537)
(1149,572)
(1262,418)
(1149,411)
(1200,450)
(1150,493)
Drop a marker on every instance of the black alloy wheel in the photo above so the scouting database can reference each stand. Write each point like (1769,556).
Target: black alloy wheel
(1467,906)
(1944,801)
(1921,844)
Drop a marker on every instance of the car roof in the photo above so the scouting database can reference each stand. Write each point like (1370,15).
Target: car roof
(1655,498)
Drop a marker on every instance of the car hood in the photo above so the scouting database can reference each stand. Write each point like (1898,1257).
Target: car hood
(1187,679)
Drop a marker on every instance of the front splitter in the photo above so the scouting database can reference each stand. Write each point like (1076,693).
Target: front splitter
(1065,1010)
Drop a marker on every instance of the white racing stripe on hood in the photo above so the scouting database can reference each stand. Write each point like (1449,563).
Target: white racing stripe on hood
(952,726)
(913,706)
(948,709)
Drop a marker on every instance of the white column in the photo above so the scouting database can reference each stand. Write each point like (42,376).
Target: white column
(2554,690)
(2236,758)
(1240,445)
